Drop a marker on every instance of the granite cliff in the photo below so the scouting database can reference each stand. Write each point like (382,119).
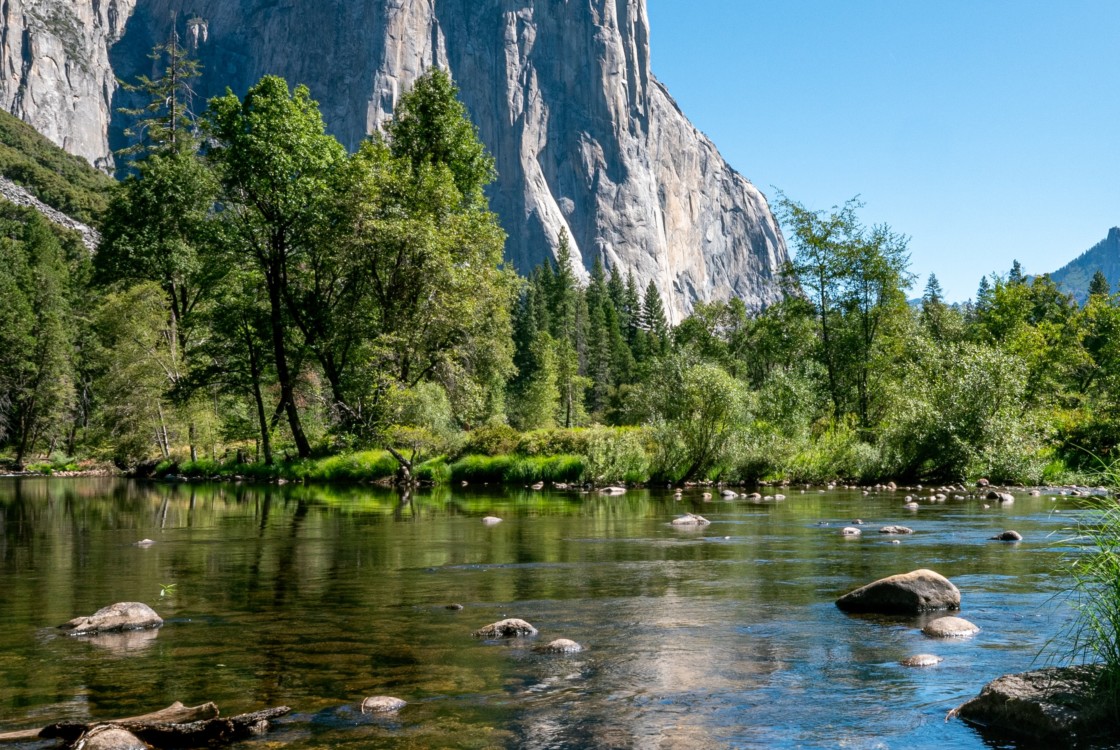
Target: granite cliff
(586,139)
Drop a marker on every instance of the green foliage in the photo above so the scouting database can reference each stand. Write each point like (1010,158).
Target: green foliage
(61,180)
(616,455)
(492,440)
(1094,636)
(476,469)
(522,469)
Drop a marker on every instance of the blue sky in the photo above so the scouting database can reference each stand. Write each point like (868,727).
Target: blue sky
(987,131)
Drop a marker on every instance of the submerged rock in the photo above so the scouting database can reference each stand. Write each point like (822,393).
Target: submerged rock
(850,531)
(491,520)
(1008,536)
(380,704)
(1054,704)
(143,543)
(613,491)
(907,593)
(950,627)
(510,628)
(559,646)
(115,618)
(896,530)
(921,660)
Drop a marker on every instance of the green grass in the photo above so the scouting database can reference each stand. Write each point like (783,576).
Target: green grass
(518,469)
(1094,635)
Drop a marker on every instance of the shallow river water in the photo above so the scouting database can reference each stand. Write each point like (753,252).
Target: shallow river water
(317,597)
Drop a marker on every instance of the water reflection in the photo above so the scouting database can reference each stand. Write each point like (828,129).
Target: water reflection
(317,597)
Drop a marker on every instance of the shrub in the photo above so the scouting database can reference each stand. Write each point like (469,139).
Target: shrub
(493,440)
(553,442)
(616,455)
(481,468)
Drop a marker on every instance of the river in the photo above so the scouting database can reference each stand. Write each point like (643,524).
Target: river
(315,597)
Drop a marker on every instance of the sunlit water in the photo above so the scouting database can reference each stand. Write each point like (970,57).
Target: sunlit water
(315,598)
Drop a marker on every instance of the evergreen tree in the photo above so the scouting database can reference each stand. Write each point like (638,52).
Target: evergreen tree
(1016,275)
(166,121)
(1099,285)
(653,319)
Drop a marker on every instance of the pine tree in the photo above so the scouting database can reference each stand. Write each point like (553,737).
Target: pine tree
(933,294)
(983,295)
(653,319)
(1016,275)
(1099,285)
(166,122)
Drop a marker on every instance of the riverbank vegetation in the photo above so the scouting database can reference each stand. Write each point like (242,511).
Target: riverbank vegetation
(264,303)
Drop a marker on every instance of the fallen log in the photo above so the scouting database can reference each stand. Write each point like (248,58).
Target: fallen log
(215,731)
(175,713)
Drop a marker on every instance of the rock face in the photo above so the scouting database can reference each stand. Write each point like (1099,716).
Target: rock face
(1054,704)
(586,140)
(115,618)
(908,593)
(56,72)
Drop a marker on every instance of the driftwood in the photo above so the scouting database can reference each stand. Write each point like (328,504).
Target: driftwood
(176,726)
(174,713)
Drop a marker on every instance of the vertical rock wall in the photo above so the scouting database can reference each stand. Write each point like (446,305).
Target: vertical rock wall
(586,139)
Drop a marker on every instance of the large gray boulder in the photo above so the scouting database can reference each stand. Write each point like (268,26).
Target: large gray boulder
(115,618)
(1056,704)
(907,593)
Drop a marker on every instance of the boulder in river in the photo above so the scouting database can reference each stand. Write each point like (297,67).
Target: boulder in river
(896,530)
(921,660)
(115,618)
(690,519)
(950,627)
(559,646)
(510,628)
(1008,536)
(382,704)
(109,737)
(907,593)
(1056,704)
(849,531)
(1004,497)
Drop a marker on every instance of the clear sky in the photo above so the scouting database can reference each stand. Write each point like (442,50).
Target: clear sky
(986,130)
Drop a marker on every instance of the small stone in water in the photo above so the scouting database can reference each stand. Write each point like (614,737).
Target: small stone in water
(455,607)
(491,520)
(382,704)
(921,660)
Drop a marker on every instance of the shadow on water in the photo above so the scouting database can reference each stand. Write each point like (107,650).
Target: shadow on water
(316,597)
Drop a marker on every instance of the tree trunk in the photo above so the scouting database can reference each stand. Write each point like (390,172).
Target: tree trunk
(265,426)
(287,391)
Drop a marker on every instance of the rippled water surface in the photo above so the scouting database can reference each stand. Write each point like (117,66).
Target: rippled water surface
(316,597)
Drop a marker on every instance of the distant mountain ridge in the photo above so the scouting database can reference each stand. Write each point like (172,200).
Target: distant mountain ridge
(1074,277)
